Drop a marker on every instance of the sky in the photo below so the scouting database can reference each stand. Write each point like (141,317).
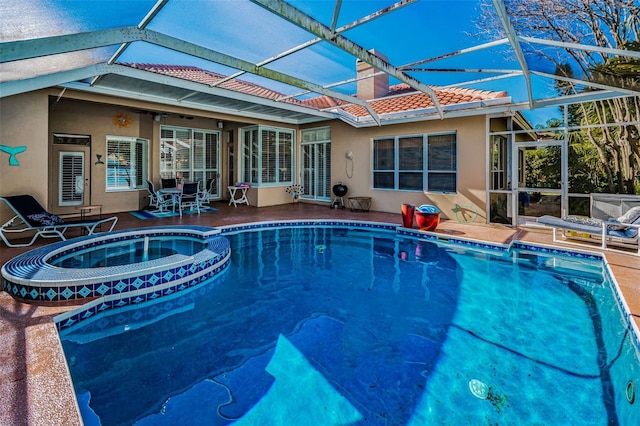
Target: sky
(244,30)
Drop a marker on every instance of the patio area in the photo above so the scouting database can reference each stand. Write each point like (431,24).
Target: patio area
(33,385)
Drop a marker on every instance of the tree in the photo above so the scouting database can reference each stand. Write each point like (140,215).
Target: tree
(603,23)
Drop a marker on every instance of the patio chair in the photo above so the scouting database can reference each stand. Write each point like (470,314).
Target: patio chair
(209,192)
(158,200)
(153,195)
(621,231)
(169,183)
(31,216)
(190,197)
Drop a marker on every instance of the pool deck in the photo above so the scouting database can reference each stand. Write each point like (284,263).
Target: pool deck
(35,387)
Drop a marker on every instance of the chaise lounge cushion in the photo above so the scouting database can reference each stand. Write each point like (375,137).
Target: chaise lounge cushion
(631,216)
(589,221)
(45,219)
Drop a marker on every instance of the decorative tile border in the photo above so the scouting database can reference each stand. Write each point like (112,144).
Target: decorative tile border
(88,310)
(31,277)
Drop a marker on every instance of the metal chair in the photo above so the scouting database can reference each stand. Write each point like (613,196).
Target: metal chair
(190,197)
(153,195)
(169,183)
(209,191)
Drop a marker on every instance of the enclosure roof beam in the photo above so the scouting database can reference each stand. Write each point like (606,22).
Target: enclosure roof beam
(306,22)
(501,11)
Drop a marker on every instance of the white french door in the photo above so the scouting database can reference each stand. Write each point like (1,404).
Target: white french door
(190,155)
(316,171)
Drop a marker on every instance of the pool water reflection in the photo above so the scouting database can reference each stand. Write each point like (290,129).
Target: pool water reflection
(363,328)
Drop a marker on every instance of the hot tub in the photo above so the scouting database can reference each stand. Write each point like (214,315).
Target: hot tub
(118,268)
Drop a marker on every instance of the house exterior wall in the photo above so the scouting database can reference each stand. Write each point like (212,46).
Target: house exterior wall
(24,121)
(471,167)
(33,118)
(73,117)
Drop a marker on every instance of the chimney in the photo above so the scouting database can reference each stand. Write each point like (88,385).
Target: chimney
(374,87)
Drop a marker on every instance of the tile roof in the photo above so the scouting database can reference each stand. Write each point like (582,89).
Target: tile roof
(210,78)
(401,97)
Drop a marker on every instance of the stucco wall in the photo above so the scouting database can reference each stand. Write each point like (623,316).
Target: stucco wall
(94,119)
(29,118)
(471,153)
(24,122)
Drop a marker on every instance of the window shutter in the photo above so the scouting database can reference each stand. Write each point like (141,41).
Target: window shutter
(285,157)
(268,156)
(71,184)
(308,168)
(183,154)
(140,161)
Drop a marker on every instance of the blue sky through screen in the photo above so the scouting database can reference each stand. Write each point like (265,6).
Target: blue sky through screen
(239,28)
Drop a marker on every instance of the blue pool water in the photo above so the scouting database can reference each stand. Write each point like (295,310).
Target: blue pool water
(129,251)
(312,326)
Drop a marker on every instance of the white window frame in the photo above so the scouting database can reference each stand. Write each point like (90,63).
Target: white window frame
(192,164)
(253,156)
(425,170)
(138,156)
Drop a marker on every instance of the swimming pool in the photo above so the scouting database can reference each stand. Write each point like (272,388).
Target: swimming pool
(346,325)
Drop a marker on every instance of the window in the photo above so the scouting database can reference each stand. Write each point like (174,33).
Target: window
(189,154)
(126,163)
(442,163)
(401,163)
(267,156)
(65,139)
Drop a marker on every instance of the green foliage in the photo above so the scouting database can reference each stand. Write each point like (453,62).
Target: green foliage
(543,167)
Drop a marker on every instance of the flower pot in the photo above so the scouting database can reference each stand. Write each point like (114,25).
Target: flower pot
(427,217)
(407,215)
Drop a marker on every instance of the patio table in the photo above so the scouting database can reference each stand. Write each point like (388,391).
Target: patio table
(174,193)
(242,196)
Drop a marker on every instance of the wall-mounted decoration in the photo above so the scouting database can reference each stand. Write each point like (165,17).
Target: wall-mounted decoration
(13,151)
(99,159)
(122,120)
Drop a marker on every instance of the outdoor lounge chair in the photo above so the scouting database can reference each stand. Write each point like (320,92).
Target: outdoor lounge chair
(31,216)
(622,231)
